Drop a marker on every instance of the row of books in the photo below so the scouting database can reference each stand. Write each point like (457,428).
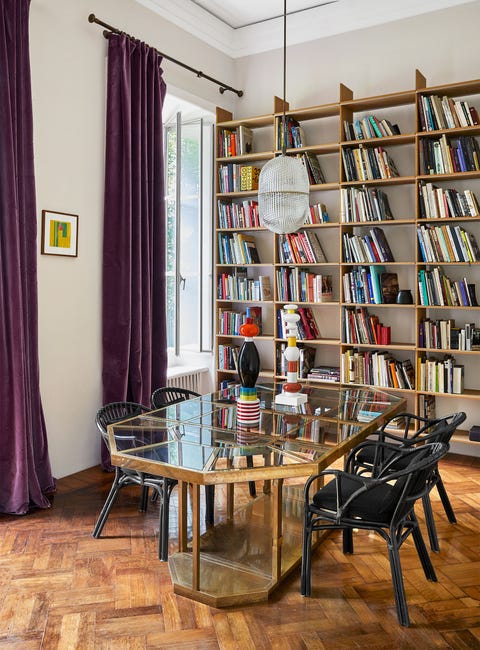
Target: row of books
(444,335)
(360,327)
(440,375)
(301,285)
(229,322)
(234,177)
(445,113)
(314,170)
(292,132)
(330,374)
(367,163)
(449,155)
(238,215)
(437,289)
(356,407)
(237,248)
(439,203)
(302,247)
(376,369)
(317,214)
(306,360)
(447,243)
(307,325)
(228,357)
(369,127)
(358,204)
(238,286)
(370,285)
(235,142)
(362,249)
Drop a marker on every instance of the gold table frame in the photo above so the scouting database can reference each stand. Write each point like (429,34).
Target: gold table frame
(243,558)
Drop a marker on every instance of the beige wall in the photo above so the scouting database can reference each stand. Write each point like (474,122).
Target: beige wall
(68,59)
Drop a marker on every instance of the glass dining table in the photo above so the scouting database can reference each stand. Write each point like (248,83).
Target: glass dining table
(248,551)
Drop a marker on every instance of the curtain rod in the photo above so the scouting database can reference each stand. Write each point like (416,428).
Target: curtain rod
(223,87)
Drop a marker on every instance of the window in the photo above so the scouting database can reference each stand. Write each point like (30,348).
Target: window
(188,141)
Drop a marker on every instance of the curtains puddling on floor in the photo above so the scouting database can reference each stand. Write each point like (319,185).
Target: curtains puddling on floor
(25,474)
(134,248)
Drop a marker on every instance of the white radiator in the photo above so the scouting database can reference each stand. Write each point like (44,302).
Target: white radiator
(185,377)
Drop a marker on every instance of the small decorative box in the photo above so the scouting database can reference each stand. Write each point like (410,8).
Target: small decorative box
(249,178)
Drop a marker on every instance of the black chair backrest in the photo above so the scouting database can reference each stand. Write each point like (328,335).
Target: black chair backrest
(168,395)
(441,430)
(115,412)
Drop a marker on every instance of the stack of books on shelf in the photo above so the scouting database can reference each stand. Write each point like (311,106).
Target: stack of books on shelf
(227,357)
(317,214)
(238,286)
(367,163)
(302,247)
(377,369)
(437,289)
(440,375)
(235,142)
(314,170)
(444,335)
(329,374)
(359,204)
(307,325)
(229,322)
(370,285)
(295,135)
(300,285)
(445,113)
(369,127)
(439,203)
(362,249)
(234,177)
(237,248)
(449,155)
(447,243)
(238,215)
(359,327)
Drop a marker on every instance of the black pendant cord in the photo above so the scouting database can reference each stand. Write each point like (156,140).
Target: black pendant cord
(223,86)
(284,122)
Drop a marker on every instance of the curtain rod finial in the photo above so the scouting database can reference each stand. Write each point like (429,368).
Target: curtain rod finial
(91,18)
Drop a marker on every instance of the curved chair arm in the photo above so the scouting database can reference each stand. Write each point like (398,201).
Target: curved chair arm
(409,418)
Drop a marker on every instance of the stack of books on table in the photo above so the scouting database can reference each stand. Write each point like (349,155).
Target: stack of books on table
(325,373)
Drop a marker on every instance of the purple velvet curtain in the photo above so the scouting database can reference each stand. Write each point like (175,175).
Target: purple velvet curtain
(134,248)
(25,474)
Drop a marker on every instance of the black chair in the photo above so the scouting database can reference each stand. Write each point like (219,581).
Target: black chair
(427,430)
(110,414)
(167,396)
(383,503)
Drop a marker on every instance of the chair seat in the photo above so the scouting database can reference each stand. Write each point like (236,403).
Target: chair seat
(376,505)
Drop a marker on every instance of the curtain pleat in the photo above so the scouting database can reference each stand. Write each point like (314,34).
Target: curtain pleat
(134,247)
(25,473)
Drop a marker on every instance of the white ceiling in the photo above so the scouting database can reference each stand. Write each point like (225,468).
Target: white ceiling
(242,27)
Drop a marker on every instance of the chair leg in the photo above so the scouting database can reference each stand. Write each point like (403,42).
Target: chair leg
(107,506)
(445,501)
(427,565)
(209,505)
(251,484)
(430,522)
(347,540)
(163,521)
(144,499)
(305,577)
(398,586)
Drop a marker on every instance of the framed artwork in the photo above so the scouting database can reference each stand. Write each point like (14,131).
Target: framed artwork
(59,233)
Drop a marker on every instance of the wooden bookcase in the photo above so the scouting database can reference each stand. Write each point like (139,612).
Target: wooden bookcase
(324,132)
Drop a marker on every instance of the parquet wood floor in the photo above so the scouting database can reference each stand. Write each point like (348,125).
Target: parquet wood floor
(62,589)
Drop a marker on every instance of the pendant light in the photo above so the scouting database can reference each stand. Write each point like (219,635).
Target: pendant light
(283,186)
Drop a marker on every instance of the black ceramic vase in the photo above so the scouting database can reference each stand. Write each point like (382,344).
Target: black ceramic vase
(404,297)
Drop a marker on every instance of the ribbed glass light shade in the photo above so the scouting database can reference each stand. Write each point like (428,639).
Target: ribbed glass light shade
(283,194)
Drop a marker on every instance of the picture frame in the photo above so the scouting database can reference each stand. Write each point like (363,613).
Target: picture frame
(59,233)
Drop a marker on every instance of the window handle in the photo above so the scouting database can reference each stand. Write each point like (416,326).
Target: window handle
(182,281)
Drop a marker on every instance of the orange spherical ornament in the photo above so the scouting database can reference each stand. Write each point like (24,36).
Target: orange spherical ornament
(249,329)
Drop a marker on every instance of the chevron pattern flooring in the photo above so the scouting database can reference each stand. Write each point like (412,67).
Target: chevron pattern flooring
(62,589)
